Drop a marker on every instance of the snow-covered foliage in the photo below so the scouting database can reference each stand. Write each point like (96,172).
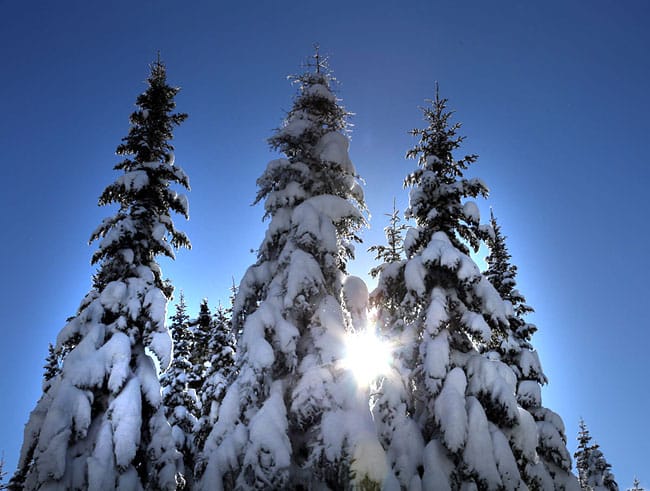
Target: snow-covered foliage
(181,403)
(448,414)
(100,423)
(593,470)
(637,485)
(512,343)
(293,417)
(201,329)
(218,373)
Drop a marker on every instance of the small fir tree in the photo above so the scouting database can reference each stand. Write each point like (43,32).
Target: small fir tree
(202,328)
(3,472)
(393,251)
(219,372)
(636,486)
(593,470)
(292,419)
(101,424)
(181,403)
(389,255)
(51,368)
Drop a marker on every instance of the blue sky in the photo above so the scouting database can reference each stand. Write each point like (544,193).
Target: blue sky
(552,95)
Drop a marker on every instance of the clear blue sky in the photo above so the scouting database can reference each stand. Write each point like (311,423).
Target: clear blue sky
(553,96)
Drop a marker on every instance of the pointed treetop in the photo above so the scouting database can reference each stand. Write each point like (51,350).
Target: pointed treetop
(319,61)
(637,485)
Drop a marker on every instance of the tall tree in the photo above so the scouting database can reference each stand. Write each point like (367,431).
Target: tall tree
(181,402)
(101,424)
(552,462)
(593,470)
(292,419)
(460,397)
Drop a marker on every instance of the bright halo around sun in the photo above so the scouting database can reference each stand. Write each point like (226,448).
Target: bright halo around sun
(367,356)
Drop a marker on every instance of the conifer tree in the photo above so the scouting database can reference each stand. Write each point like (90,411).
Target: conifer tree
(221,347)
(181,403)
(202,328)
(552,462)
(469,429)
(593,470)
(3,472)
(388,255)
(637,486)
(291,419)
(101,424)
(52,366)
(394,248)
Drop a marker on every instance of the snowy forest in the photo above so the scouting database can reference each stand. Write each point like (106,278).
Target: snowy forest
(305,380)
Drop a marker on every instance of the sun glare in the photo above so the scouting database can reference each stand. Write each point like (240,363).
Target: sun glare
(367,356)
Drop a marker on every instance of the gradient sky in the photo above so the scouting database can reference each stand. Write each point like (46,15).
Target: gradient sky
(553,97)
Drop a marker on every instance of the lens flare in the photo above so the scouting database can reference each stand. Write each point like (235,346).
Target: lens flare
(367,356)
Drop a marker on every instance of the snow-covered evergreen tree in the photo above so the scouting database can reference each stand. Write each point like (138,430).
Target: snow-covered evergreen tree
(202,328)
(389,254)
(218,374)
(292,418)
(102,424)
(636,485)
(3,472)
(448,415)
(181,403)
(593,470)
(551,466)
(393,251)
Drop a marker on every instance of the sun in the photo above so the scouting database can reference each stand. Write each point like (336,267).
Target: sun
(366,356)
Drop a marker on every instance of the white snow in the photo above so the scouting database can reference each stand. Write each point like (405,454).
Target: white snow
(471,212)
(333,147)
(479,453)
(124,413)
(449,410)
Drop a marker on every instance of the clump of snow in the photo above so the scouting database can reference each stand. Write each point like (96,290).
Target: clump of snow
(479,453)
(333,147)
(449,410)
(319,90)
(471,212)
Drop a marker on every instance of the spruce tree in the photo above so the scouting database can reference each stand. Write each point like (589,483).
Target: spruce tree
(102,424)
(202,328)
(593,470)
(292,418)
(550,466)
(181,403)
(637,486)
(3,472)
(52,366)
(219,371)
(394,248)
(447,415)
